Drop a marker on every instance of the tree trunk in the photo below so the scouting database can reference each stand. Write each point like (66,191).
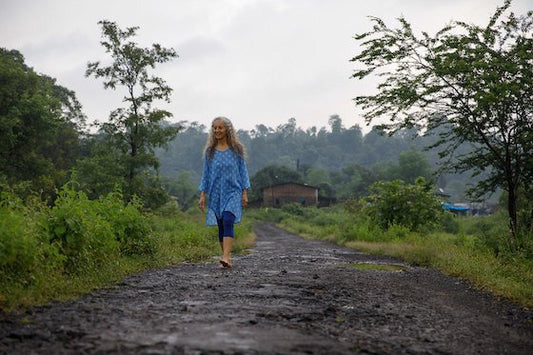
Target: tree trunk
(134,134)
(530,222)
(511,209)
(133,153)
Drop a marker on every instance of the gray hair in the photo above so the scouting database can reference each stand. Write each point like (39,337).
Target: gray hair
(231,136)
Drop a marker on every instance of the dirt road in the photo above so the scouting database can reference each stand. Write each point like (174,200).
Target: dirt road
(288,296)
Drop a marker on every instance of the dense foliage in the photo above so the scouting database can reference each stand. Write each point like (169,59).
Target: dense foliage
(40,127)
(466,83)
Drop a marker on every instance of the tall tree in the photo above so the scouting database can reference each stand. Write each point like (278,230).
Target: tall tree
(136,130)
(412,165)
(335,122)
(476,81)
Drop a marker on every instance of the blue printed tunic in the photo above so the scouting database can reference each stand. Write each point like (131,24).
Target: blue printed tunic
(223,179)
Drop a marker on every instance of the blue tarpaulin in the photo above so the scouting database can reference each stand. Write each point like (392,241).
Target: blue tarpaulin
(451,207)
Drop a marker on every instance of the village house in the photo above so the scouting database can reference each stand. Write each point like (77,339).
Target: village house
(280,194)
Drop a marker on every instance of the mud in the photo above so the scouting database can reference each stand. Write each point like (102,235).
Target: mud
(288,296)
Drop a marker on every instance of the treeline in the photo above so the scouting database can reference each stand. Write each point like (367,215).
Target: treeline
(44,138)
(342,161)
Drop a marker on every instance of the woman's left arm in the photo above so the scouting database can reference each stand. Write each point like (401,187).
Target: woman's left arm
(243,174)
(245,181)
(244,198)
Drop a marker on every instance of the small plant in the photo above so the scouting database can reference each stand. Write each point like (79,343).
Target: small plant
(449,223)
(293,208)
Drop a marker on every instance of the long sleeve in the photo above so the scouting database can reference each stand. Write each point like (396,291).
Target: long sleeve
(243,174)
(204,183)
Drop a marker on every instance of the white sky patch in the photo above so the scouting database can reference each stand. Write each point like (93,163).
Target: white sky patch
(255,61)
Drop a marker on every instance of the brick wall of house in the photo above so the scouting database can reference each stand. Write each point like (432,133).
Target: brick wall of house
(278,195)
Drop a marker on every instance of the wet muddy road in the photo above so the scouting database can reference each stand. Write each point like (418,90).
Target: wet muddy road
(288,296)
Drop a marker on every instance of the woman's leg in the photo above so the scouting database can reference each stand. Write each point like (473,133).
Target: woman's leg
(221,234)
(228,221)
(228,241)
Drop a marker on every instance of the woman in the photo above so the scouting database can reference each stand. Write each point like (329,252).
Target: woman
(225,181)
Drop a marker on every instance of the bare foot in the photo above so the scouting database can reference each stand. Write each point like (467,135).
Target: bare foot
(225,263)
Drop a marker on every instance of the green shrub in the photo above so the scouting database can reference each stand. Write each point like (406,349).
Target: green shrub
(323,220)
(18,245)
(358,227)
(169,209)
(396,203)
(490,232)
(90,232)
(293,208)
(84,236)
(23,251)
(396,231)
(131,229)
(449,223)
(525,245)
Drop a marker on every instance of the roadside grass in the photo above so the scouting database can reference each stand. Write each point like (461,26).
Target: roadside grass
(179,237)
(58,286)
(474,253)
(507,278)
(184,237)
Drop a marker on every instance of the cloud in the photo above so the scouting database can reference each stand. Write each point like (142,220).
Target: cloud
(255,61)
(198,49)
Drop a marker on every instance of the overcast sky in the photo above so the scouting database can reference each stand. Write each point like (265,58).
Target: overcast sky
(254,61)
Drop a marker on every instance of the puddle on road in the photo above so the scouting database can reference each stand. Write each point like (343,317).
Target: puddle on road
(379,267)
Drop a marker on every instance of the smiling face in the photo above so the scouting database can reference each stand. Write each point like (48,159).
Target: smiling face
(219,130)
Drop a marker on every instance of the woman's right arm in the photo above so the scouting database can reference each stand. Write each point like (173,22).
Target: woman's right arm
(204,184)
(201,203)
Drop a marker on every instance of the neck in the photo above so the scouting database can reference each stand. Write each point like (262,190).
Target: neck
(222,144)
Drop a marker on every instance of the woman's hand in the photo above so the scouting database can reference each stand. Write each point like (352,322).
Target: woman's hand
(201,203)
(244,198)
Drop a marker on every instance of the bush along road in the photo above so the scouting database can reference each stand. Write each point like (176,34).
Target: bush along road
(289,295)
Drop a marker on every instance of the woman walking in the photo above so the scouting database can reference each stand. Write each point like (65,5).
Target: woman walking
(225,181)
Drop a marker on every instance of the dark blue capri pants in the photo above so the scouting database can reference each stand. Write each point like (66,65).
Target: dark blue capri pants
(226,226)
